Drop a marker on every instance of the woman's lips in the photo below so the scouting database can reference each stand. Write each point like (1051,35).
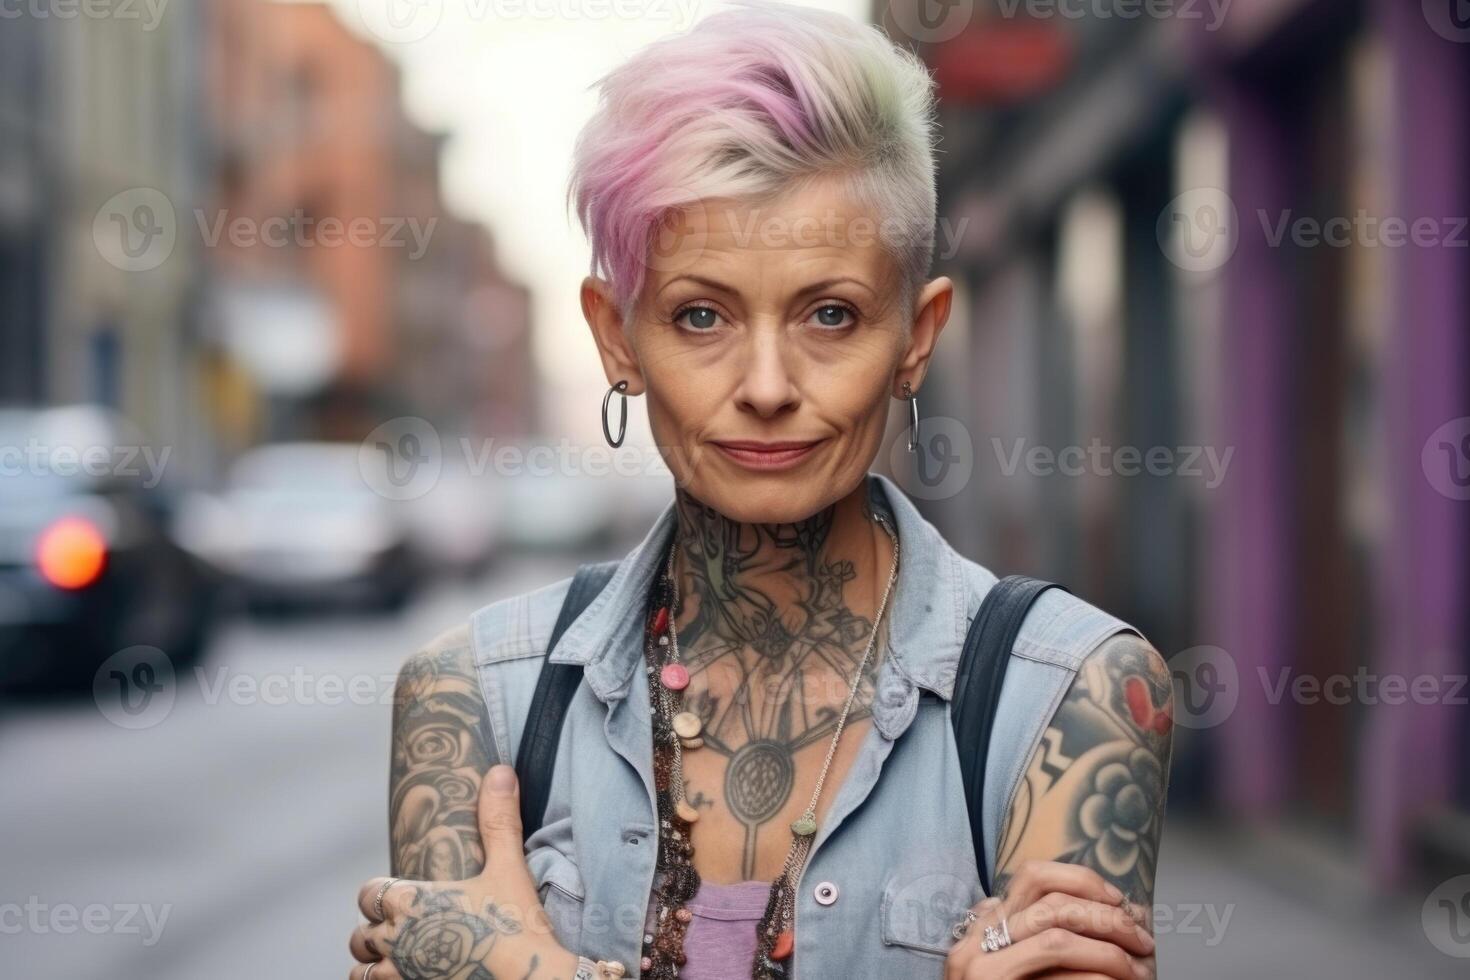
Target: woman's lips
(767,455)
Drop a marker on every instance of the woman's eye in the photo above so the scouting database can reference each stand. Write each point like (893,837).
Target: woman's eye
(697,318)
(833,315)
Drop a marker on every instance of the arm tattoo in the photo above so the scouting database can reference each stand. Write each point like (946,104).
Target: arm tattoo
(440,752)
(1095,788)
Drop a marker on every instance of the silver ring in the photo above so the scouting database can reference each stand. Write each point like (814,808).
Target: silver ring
(378,901)
(961,929)
(369,971)
(996,939)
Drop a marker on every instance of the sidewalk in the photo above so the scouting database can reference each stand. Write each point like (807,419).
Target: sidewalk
(1243,910)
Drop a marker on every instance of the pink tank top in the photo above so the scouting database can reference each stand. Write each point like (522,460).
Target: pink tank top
(720,941)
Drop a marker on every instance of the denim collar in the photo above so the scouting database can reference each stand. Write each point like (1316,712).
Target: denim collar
(929,615)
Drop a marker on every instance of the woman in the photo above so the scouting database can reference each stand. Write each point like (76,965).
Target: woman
(771,796)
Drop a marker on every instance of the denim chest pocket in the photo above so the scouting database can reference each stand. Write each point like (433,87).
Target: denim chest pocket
(921,905)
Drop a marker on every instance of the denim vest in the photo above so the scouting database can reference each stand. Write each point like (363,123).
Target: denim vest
(897,848)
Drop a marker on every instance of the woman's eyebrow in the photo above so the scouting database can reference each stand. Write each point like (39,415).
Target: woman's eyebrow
(714,284)
(807,290)
(826,284)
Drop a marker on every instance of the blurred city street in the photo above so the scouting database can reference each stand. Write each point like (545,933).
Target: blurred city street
(227,839)
(295,374)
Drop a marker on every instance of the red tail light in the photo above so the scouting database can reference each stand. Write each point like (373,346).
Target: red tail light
(71,553)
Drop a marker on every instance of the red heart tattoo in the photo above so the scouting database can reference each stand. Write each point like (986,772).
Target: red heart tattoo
(1141,705)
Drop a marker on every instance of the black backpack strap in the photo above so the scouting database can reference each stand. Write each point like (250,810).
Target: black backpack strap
(536,758)
(982,670)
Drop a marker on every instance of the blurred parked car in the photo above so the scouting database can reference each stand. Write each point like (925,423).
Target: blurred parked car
(300,525)
(87,564)
(456,525)
(547,508)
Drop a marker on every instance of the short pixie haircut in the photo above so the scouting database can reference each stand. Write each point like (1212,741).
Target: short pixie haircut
(750,103)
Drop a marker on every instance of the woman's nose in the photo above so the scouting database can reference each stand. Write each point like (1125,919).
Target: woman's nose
(766,386)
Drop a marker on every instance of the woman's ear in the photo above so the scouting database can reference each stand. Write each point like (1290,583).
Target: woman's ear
(931,313)
(618,358)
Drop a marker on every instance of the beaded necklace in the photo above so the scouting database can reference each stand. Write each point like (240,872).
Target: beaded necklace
(676,730)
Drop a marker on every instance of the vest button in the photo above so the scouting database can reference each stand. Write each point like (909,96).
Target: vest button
(826,893)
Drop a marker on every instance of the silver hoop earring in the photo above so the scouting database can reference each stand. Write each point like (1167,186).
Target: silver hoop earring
(621,387)
(908,392)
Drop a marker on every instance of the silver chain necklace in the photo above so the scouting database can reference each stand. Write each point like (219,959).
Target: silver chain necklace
(777,941)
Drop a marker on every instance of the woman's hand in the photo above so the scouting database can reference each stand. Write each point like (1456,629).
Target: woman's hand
(491,925)
(1064,921)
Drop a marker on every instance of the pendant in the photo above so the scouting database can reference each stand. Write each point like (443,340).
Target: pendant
(804,825)
(687,724)
(685,812)
(675,677)
(661,620)
(785,943)
(691,743)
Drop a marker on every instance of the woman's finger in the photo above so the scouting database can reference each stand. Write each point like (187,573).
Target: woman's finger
(369,942)
(1037,878)
(1107,922)
(1060,949)
(373,894)
(382,970)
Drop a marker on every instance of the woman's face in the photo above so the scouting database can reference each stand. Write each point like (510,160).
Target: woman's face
(775,325)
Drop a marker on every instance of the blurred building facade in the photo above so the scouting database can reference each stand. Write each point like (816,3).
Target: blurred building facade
(224,226)
(98,142)
(1079,153)
(352,296)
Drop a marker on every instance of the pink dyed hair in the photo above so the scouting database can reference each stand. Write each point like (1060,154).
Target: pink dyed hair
(749,103)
